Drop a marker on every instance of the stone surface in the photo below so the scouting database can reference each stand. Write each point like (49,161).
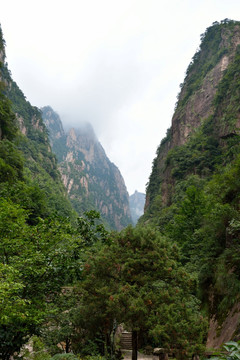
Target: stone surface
(91,179)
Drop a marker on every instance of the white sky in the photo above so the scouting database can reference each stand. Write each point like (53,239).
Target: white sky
(115,63)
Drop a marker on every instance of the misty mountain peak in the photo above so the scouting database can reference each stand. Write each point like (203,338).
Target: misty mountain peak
(91,179)
(137,202)
(53,123)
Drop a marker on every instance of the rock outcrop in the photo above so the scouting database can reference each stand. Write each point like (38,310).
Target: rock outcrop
(195,103)
(200,145)
(91,179)
(33,143)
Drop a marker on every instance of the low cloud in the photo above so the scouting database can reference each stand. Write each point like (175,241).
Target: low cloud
(117,65)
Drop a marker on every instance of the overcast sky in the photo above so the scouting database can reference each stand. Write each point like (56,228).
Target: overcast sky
(115,63)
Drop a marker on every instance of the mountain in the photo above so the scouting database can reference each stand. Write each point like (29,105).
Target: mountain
(40,187)
(91,179)
(201,99)
(193,192)
(192,212)
(136,201)
(99,185)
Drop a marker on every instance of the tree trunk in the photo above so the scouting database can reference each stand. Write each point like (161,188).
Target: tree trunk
(68,346)
(134,344)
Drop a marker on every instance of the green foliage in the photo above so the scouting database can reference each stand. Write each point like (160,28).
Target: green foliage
(194,199)
(37,193)
(28,168)
(73,282)
(137,280)
(10,287)
(204,222)
(36,262)
(227,97)
(59,330)
(199,155)
(101,192)
(205,59)
(187,221)
(18,317)
(216,141)
(65,357)
(64,310)
(59,148)
(38,351)
(230,351)
(154,183)
(11,162)
(91,229)
(8,127)
(92,183)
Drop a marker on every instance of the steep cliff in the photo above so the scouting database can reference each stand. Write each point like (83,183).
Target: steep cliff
(91,180)
(198,102)
(31,141)
(193,191)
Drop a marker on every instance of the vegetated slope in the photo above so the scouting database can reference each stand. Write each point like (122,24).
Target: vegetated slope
(193,191)
(71,281)
(38,243)
(136,201)
(40,177)
(91,179)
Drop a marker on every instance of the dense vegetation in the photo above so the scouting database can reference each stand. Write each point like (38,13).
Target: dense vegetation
(93,181)
(71,283)
(66,283)
(201,214)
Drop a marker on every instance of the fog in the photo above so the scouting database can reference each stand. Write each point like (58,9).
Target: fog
(116,64)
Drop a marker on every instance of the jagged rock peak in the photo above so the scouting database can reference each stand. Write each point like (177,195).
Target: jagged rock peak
(196,102)
(199,156)
(53,122)
(91,179)
(85,129)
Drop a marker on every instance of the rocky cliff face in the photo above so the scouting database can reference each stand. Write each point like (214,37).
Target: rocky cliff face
(196,103)
(53,123)
(201,146)
(91,180)
(136,201)
(33,143)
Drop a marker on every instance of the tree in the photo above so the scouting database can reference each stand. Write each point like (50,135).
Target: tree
(17,317)
(189,217)
(35,263)
(64,312)
(8,127)
(137,280)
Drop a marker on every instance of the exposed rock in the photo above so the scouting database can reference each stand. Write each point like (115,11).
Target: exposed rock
(189,117)
(22,127)
(210,97)
(53,123)
(219,334)
(92,181)
(39,161)
(198,107)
